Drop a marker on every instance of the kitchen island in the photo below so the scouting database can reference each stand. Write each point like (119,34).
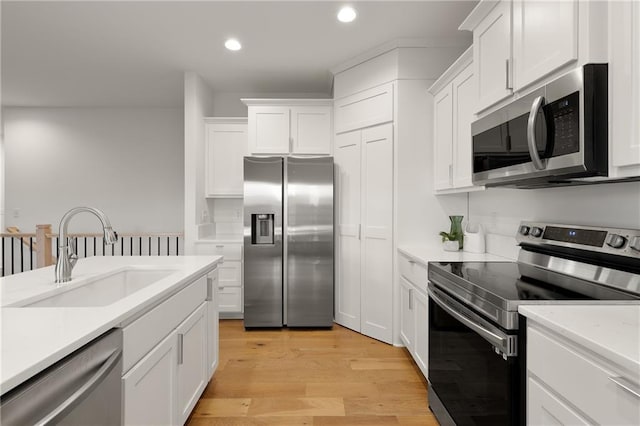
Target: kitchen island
(35,337)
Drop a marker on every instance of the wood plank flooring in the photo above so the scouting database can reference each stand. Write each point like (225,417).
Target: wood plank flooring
(311,377)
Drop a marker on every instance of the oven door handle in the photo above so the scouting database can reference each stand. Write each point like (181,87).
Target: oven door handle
(506,344)
(538,164)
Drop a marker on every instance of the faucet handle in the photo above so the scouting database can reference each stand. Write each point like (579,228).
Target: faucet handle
(71,251)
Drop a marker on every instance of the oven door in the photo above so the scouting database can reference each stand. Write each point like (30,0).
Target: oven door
(474,373)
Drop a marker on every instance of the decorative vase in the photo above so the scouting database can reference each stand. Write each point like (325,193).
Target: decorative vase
(450,246)
(456,230)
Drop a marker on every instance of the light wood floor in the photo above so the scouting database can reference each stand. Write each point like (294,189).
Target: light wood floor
(311,377)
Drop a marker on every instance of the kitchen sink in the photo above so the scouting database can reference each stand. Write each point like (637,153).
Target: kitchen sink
(105,290)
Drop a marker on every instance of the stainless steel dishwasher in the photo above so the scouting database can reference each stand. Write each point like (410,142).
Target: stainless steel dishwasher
(84,388)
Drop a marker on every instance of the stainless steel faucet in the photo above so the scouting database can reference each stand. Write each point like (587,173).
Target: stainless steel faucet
(67,258)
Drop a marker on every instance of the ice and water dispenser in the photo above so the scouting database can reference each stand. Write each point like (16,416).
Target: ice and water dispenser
(262,228)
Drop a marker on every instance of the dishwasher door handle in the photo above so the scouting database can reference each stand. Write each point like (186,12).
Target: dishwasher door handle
(70,403)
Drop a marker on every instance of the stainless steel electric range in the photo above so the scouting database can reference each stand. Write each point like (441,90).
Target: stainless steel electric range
(476,337)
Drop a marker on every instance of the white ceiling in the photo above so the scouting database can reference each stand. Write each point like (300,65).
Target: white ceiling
(135,53)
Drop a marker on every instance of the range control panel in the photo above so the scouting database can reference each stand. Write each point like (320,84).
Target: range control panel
(624,242)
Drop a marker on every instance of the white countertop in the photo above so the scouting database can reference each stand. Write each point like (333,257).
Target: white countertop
(612,331)
(33,338)
(424,254)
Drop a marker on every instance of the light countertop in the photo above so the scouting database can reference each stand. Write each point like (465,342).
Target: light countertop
(424,254)
(612,331)
(33,338)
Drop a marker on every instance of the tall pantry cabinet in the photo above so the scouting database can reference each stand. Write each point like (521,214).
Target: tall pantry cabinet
(382,146)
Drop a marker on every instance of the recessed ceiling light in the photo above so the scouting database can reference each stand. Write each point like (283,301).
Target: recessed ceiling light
(232,44)
(346,14)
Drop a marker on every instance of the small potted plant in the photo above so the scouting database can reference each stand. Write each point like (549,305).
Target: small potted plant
(453,240)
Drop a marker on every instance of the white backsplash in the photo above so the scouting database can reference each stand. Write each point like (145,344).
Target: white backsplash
(226,221)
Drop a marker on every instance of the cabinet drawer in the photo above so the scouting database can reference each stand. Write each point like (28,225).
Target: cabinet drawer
(230,299)
(145,332)
(364,109)
(230,274)
(413,271)
(582,380)
(230,251)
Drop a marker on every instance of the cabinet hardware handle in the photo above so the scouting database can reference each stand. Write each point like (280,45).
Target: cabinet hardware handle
(626,385)
(411,299)
(180,348)
(450,174)
(219,245)
(412,261)
(359,231)
(209,289)
(508,85)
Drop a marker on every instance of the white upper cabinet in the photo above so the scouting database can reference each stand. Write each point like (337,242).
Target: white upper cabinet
(269,129)
(492,55)
(455,97)
(363,109)
(520,45)
(624,89)
(545,37)
(290,126)
(443,132)
(226,145)
(311,130)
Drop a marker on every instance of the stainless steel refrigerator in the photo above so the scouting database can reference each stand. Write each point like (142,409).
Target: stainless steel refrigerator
(288,242)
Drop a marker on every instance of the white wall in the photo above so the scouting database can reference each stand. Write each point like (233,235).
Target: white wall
(198,103)
(127,162)
(500,210)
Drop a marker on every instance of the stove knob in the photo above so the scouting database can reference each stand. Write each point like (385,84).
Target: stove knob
(635,243)
(524,230)
(615,240)
(536,232)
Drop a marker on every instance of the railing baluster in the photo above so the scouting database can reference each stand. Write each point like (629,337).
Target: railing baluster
(12,256)
(3,271)
(30,253)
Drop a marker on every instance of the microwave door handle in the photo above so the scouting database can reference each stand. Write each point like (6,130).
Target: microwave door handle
(531,134)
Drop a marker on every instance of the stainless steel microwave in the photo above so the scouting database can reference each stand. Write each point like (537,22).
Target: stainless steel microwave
(556,135)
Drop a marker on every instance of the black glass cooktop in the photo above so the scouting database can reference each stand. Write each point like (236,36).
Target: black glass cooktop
(507,281)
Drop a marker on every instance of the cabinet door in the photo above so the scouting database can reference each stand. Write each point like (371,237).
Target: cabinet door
(226,147)
(230,274)
(311,129)
(230,300)
(269,129)
(443,134)
(624,83)
(544,408)
(421,351)
(192,361)
(545,37)
(377,232)
(464,102)
(347,158)
(407,317)
(492,55)
(150,387)
(212,323)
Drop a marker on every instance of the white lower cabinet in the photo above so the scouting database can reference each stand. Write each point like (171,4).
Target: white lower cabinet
(414,320)
(162,386)
(213,322)
(569,384)
(545,408)
(150,387)
(192,361)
